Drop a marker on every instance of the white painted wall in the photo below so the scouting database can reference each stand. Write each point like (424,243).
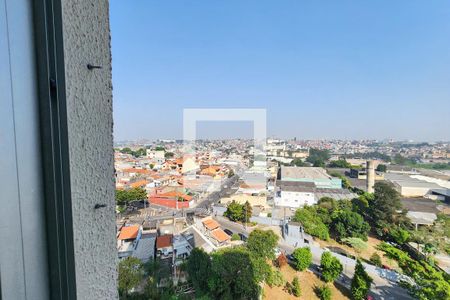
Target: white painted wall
(294,199)
(89,109)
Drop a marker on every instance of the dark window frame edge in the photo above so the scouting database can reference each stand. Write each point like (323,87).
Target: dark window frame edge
(48,32)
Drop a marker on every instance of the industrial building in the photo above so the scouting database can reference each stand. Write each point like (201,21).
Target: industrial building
(411,187)
(315,175)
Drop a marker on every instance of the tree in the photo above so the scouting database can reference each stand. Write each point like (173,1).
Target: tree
(341,163)
(325,208)
(356,243)
(233,275)
(318,157)
(323,292)
(262,243)
(361,282)
(247,211)
(375,259)
(361,204)
(385,203)
(126,150)
(296,290)
(123,197)
(311,222)
(137,194)
(381,168)
(199,270)
(331,267)
(234,211)
(230,173)
(169,155)
(131,272)
(302,258)
(399,159)
(347,223)
(298,162)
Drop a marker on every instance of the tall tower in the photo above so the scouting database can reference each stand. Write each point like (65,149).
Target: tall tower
(370,179)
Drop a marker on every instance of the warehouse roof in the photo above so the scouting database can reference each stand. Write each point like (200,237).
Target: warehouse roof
(304,172)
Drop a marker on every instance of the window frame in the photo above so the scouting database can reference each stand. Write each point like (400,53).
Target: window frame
(55,147)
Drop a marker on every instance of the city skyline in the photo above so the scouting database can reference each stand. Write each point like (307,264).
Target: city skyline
(331,71)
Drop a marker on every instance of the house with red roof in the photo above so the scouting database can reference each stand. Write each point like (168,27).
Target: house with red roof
(173,199)
(164,246)
(127,239)
(212,229)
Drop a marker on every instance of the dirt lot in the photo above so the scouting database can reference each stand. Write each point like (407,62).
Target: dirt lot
(366,254)
(307,282)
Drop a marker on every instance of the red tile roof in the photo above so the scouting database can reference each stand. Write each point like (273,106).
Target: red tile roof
(220,235)
(173,194)
(164,241)
(129,232)
(139,171)
(139,183)
(211,224)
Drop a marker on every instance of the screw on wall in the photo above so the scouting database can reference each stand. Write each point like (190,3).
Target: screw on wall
(91,67)
(97,206)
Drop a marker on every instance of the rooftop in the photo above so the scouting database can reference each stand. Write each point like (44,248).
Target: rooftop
(211,224)
(420,205)
(407,181)
(220,235)
(304,172)
(164,241)
(129,232)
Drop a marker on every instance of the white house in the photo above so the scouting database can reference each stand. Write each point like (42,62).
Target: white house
(294,194)
(128,240)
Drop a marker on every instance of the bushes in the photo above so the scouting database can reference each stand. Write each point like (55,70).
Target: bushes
(323,292)
(293,288)
(302,258)
(430,283)
(375,259)
(235,237)
(296,291)
(274,278)
(399,235)
(331,267)
(356,243)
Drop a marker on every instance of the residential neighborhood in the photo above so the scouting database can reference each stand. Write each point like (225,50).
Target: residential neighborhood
(170,204)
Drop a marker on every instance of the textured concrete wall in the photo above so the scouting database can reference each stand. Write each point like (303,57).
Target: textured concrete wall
(89,96)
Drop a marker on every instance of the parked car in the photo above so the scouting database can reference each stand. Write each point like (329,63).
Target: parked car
(243,237)
(228,231)
(386,267)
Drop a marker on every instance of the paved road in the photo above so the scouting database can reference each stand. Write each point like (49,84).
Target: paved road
(381,288)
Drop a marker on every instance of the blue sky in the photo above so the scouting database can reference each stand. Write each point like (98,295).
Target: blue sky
(322,69)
